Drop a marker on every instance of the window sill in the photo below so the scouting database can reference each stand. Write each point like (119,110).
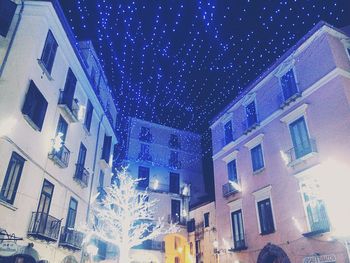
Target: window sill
(7,205)
(316,232)
(302,159)
(42,66)
(259,171)
(31,123)
(267,233)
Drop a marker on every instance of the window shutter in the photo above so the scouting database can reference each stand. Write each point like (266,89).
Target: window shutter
(7,11)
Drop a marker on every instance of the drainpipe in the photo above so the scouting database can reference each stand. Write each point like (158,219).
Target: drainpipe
(12,39)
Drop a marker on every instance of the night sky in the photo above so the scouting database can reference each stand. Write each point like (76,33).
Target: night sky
(180,62)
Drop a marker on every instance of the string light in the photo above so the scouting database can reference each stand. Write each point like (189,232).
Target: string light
(179,63)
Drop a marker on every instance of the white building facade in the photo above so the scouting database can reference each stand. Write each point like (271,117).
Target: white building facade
(56,132)
(170,163)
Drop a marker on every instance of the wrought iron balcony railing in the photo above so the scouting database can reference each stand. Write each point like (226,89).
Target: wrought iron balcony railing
(318,220)
(304,148)
(250,124)
(284,101)
(81,175)
(239,245)
(146,137)
(228,189)
(44,226)
(70,106)
(61,157)
(71,238)
(177,219)
(175,164)
(145,157)
(152,245)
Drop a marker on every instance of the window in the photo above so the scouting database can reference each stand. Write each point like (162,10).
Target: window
(257,158)
(300,138)
(49,52)
(7,11)
(79,173)
(72,213)
(238,230)
(145,134)
(206,219)
(88,115)
(12,177)
(315,207)
(106,151)
(34,107)
(45,200)
(67,95)
(174,183)
(252,118)
(144,176)
(232,171)
(144,153)
(175,210)
(265,217)
(174,141)
(228,132)
(174,160)
(191,225)
(61,129)
(289,86)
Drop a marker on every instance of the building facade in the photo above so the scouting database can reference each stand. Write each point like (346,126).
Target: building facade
(169,163)
(280,153)
(56,133)
(202,235)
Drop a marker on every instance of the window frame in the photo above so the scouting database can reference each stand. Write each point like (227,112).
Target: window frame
(260,195)
(141,184)
(10,7)
(42,63)
(239,210)
(206,219)
(260,216)
(21,161)
(226,132)
(31,111)
(88,115)
(228,170)
(246,105)
(257,170)
(282,74)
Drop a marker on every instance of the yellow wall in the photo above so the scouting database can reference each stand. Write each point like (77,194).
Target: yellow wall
(176,246)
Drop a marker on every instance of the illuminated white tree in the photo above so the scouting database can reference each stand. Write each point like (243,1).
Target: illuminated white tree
(125,217)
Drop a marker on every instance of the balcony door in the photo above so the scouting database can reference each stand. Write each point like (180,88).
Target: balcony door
(69,88)
(175,210)
(44,206)
(174,183)
(300,137)
(72,213)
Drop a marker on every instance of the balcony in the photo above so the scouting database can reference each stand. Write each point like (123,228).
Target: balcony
(229,189)
(174,144)
(318,221)
(250,124)
(146,137)
(177,219)
(199,231)
(300,153)
(174,164)
(285,101)
(152,245)
(71,238)
(145,157)
(239,246)
(69,106)
(61,157)
(44,226)
(81,175)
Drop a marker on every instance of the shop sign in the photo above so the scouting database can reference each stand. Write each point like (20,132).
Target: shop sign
(321,259)
(8,248)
